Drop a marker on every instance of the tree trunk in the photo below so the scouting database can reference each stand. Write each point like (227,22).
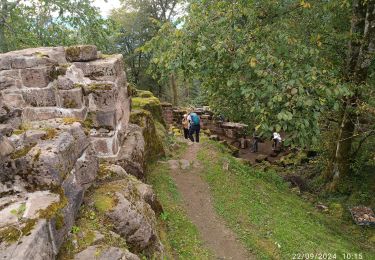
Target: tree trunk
(172,80)
(360,56)
(3,40)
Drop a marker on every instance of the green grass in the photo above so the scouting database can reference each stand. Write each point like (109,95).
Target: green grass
(179,236)
(272,221)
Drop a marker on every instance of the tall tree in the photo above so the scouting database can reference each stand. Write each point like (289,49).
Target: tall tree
(138,22)
(6,7)
(282,66)
(361,55)
(51,23)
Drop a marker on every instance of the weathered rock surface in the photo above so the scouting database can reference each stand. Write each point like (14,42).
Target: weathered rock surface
(61,110)
(133,217)
(132,153)
(111,253)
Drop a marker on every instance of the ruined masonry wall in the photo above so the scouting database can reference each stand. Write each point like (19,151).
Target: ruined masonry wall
(76,83)
(60,109)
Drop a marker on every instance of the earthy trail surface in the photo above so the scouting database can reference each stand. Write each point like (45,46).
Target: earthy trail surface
(195,192)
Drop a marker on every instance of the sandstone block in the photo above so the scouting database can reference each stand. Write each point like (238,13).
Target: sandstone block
(81,53)
(101,95)
(107,69)
(45,113)
(132,152)
(72,98)
(35,77)
(44,97)
(37,245)
(10,79)
(103,119)
(110,253)
(105,147)
(6,147)
(133,217)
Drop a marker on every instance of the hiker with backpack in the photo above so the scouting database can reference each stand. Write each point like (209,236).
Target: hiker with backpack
(195,126)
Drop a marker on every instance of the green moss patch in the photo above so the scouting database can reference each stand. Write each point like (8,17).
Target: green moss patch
(144,93)
(21,152)
(12,234)
(151,104)
(153,141)
(50,133)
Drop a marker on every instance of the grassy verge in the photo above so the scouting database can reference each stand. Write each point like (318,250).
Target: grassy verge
(271,221)
(179,236)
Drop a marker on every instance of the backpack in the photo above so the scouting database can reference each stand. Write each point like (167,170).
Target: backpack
(195,118)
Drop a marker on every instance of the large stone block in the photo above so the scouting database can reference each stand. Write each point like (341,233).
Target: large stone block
(37,245)
(44,97)
(131,156)
(106,69)
(13,98)
(36,77)
(34,57)
(101,95)
(10,79)
(132,217)
(105,146)
(72,98)
(45,113)
(103,119)
(81,53)
(110,253)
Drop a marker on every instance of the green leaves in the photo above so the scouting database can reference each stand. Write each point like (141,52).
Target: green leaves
(258,62)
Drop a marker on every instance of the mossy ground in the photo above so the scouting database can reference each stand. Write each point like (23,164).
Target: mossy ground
(272,221)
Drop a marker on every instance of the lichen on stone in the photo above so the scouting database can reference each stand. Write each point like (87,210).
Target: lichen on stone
(12,233)
(21,152)
(57,71)
(50,133)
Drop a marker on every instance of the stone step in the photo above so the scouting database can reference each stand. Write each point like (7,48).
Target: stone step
(45,113)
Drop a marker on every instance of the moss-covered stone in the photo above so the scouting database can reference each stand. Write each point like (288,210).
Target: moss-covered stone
(50,133)
(22,152)
(151,104)
(57,71)
(73,52)
(13,234)
(54,211)
(144,93)
(99,87)
(154,147)
(70,120)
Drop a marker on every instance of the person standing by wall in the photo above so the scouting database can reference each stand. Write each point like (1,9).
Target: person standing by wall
(276,140)
(185,126)
(254,147)
(195,126)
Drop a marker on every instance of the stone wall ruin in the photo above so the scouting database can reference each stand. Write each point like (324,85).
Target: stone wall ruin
(61,110)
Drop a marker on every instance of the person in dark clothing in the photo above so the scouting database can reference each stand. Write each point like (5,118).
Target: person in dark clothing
(194,126)
(255,141)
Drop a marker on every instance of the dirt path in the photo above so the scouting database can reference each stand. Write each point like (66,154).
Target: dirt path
(197,202)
